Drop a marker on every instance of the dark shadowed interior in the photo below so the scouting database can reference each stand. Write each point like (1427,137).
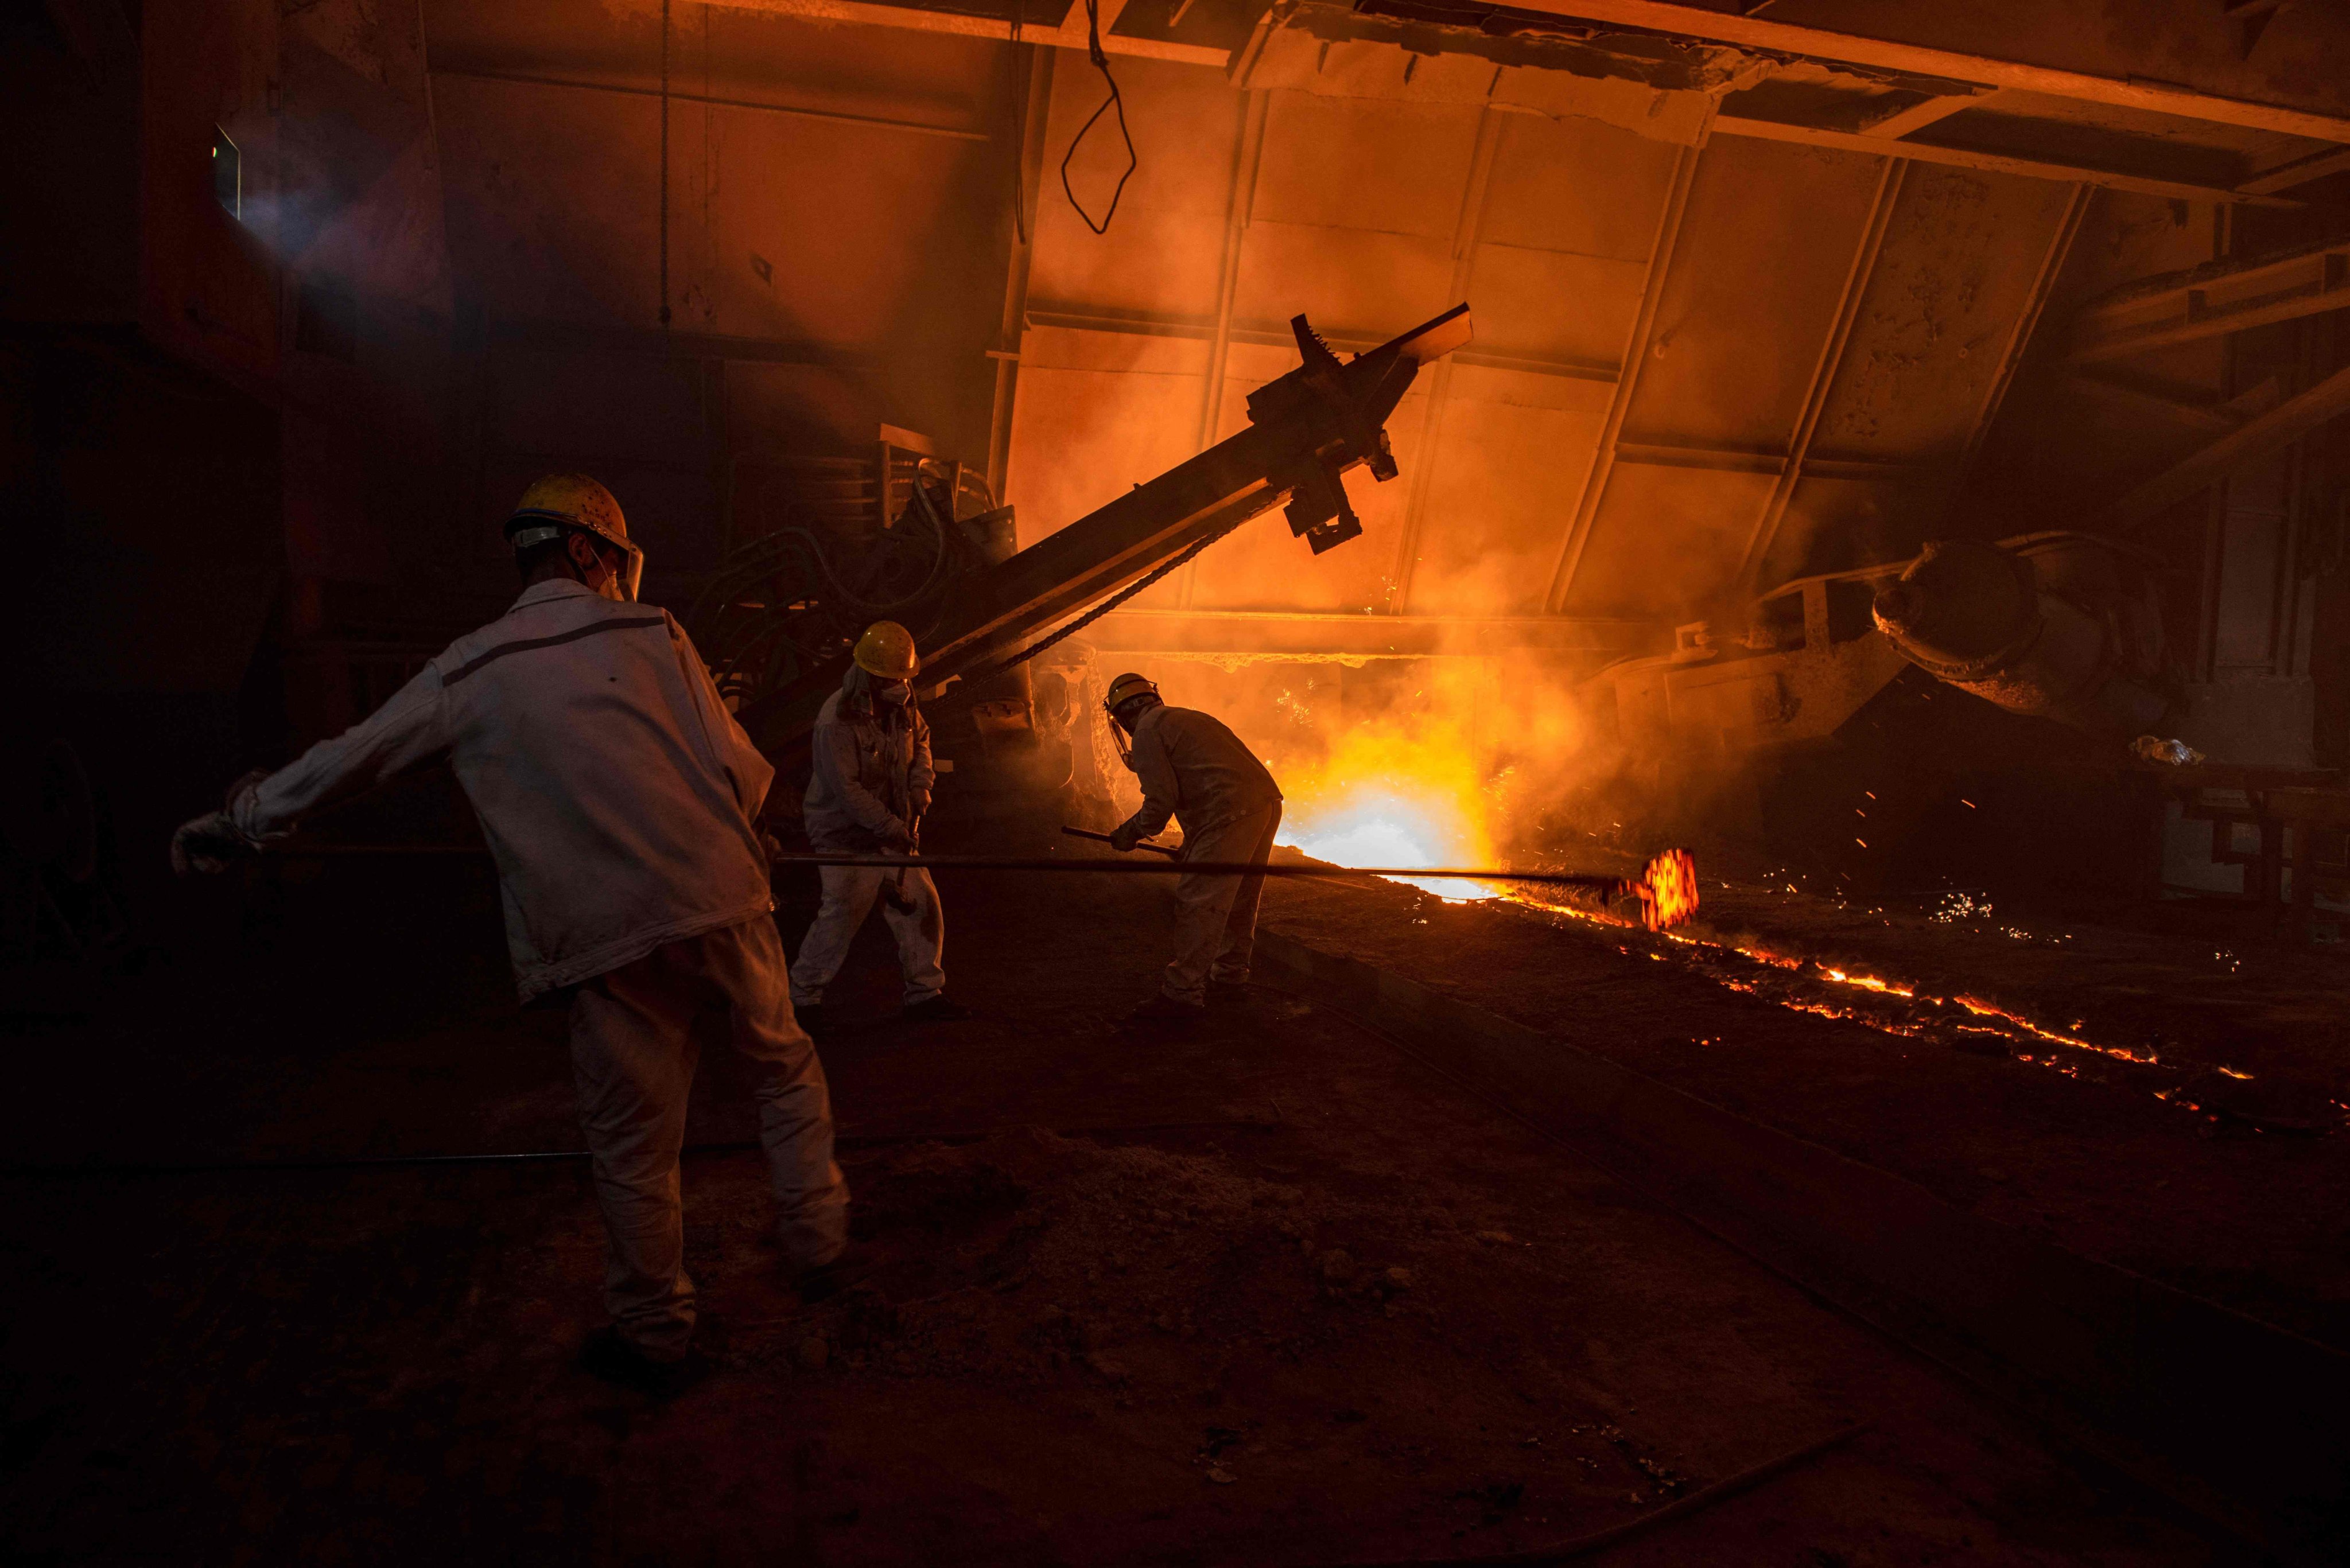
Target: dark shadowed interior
(1848,501)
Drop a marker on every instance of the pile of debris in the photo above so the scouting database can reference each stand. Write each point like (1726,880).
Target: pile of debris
(1032,1257)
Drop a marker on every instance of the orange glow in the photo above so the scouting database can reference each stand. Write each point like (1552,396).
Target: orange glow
(1384,797)
(1667,890)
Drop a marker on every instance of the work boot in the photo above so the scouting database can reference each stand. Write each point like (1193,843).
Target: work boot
(851,1268)
(610,1357)
(1165,1009)
(938,1009)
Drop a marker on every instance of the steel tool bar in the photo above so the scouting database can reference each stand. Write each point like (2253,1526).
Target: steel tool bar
(1206,869)
(1105,839)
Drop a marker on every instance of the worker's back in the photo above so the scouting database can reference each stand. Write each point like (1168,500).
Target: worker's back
(1214,777)
(616,790)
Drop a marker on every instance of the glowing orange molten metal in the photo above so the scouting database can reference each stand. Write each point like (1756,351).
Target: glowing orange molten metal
(1667,890)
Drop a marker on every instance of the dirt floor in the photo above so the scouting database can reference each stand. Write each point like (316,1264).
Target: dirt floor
(1266,1294)
(2173,1100)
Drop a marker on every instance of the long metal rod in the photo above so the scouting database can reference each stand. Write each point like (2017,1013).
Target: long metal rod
(1202,868)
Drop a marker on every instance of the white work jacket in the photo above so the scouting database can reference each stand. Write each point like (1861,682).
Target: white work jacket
(616,790)
(1193,768)
(865,770)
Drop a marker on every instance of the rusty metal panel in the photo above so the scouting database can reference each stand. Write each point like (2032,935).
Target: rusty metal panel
(1163,248)
(1576,185)
(1511,455)
(1764,249)
(1667,539)
(779,227)
(1958,262)
(1353,283)
(1098,413)
(1547,305)
(1365,164)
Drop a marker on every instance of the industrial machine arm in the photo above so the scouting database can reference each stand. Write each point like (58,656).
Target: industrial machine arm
(1305,430)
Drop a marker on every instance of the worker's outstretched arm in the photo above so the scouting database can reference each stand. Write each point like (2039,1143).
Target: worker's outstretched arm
(405,732)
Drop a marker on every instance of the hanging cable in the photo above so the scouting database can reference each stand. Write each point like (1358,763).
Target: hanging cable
(1101,64)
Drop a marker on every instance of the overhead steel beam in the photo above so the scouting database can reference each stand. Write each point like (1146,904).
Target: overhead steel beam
(2257,439)
(1824,371)
(1465,229)
(1204,330)
(1240,199)
(2211,302)
(873,122)
(1278,634)
(1070,35)
(1992,162)
(2296,171)
(1034,113)
(1885,53)
(1635,353)
(2210,415)
(2027,320)
(1929,112)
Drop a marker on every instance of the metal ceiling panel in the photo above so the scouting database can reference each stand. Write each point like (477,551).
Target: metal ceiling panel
(1576,185)
(1764,249)
(1098,413)
(1960,256)
(1348,282)
(1365,164)
(1547,305)
(1666,540)
(1509,464)
(554,212)
(1164,247)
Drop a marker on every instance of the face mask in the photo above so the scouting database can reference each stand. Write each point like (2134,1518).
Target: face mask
(897,694)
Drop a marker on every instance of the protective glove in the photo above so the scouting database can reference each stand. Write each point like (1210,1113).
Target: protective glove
(207,843)
(1125,836)
(920,803)
(897,835)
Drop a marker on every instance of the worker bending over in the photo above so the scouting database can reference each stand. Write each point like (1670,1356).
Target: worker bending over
(617,796)
(1194,769)
(868,794)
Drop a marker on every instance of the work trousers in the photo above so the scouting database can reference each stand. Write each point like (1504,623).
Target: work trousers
(849,892)
(1215,917)
(633,1051)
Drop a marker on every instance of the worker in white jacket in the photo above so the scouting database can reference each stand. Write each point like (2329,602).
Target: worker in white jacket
(868,790)
(1196,770)
(617,796)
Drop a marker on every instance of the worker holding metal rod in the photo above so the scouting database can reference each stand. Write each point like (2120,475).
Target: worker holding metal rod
(870,789)
(1195,770)
(619,798)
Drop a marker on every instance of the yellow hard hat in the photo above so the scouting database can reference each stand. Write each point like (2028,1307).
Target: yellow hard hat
(886,652)
(1126,687)
(574,500)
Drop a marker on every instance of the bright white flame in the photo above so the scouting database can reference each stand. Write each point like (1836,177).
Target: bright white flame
(1378,826)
